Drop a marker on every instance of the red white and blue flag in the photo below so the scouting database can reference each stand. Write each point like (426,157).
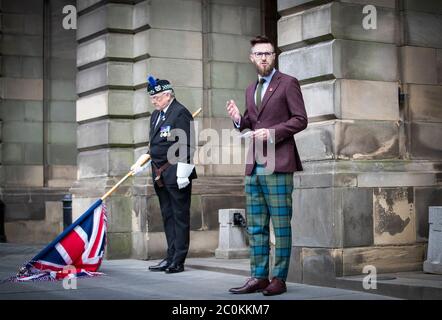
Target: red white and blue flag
(77,251)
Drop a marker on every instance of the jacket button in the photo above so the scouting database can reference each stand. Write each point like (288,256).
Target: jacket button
(259,121)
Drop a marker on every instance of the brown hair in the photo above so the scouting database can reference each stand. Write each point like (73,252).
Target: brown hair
(260,39)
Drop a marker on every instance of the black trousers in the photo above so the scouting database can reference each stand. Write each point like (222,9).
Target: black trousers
(175,209)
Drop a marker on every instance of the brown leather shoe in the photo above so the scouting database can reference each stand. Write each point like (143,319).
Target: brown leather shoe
(252,285)
(277,286)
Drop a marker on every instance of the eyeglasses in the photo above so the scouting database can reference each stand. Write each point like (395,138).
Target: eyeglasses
(261,54)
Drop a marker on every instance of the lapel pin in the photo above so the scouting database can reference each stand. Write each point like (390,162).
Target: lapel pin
(271,89)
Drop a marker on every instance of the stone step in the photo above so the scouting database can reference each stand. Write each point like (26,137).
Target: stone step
(231,266)
(405,285)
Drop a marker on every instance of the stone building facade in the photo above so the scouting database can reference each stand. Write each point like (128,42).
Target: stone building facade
(74,117)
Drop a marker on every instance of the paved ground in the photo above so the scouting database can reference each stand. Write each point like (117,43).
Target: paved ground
(130,279)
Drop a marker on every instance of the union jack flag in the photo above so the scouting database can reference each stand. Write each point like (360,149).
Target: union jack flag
(77,251)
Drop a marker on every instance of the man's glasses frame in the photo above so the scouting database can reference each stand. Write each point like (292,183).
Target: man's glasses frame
(262,54)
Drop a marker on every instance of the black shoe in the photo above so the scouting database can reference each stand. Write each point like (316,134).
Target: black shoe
(160,266)
(175,268)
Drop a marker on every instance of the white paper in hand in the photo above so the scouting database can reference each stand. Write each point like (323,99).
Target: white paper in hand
(183,172)
(246,135)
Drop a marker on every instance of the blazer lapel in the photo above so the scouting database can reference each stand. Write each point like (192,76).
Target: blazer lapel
(251,98)
(270,90)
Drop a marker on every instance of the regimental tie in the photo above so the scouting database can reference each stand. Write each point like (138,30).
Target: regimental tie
(160,118)
(258,92)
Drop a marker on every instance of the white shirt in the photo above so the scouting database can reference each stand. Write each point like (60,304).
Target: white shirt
(265,85)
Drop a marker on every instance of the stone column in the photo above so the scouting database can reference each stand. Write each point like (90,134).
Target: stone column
(368,180)
(38,116)
(105,62)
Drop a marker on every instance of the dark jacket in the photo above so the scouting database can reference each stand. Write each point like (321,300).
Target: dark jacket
(177,117)
(282,109)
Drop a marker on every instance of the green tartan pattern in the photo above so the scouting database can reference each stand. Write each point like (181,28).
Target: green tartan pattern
(269,197)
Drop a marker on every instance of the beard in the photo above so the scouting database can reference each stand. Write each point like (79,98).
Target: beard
(264,71)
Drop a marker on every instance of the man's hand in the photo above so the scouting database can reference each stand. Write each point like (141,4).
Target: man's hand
(233,111)
(261,134)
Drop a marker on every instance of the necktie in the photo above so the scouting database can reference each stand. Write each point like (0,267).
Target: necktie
(160,118)
(258,92)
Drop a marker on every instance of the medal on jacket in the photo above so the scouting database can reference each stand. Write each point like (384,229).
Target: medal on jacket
(165,132)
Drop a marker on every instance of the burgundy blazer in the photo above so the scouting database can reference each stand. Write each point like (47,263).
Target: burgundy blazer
(282,109)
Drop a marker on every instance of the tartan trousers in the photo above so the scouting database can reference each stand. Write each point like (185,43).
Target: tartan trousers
(269,197)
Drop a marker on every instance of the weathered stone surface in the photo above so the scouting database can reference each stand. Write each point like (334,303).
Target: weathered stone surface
(37,232)
(439,66)
(180,72)
(424,103)
(61,111)
(219,97)
(21,110)
(60,69)
(419,65)
(119,213)
(21,45)
(104,132)
(316,221)
(347,24)
(141,14)
(433,264)
(289,30)
(342,59)
(119,245)
(112,15)
(112,162)
(110,45)
(62,90)
(322,217)
(22,132)
(395,179)
(322,180)
(385,259)
(33,153)
(222,41)
(62,132)
(352,99)
(21,89)
(189,18)
(106,74)
(357,140)
(234,19)
(110,102)
(141,127)
(26,176)
(62,154)
(84,4)
(295,267)
(424,6)
(423,144)
(422,29)
(357,208)
(424,199)
(163,43)
(394,218)
(321,266)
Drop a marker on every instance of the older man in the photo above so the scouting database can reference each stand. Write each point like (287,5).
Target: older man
(172,173)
